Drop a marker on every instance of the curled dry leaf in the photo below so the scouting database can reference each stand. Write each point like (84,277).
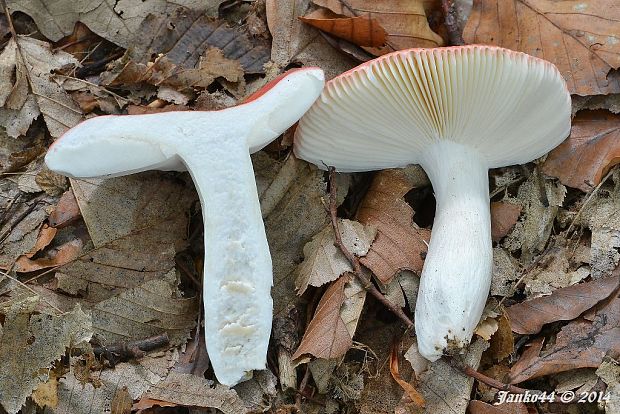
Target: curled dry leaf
(330,332)
(580,344)
(400,244)
(592,148)
(359,30)
(562,305)
(63,254)
(504,216)
(414,396)
(562,32)
(66,211)
(324,262)
(189,390)
(29,344)
(403,20)
(32,62)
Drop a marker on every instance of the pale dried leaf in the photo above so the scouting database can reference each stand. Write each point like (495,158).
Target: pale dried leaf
(325,262)
(78,395)
(192,391)
(116,22)
(540,200)
(504,273)
(580,38)
(145,311)
(56,105)
(295,42)
(29,344)
(21,236)
(609,372)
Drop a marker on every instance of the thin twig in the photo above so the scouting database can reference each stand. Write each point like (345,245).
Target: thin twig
(450,18)
(492,382)
(355,263)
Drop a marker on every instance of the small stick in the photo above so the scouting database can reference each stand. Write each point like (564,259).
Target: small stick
(492,382)
(131,350)
(355,263)
(451,21)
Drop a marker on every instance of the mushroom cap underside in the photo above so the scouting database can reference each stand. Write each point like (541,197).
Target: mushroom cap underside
(509,106)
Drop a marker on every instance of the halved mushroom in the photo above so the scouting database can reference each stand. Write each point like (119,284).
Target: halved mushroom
(457,112)
(215,148)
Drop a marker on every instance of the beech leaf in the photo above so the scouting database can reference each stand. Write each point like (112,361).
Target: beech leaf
(592,148)
(359,30)
(562,305)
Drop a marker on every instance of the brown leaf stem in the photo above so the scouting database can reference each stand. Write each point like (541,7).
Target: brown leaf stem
(355,263)
(131,350)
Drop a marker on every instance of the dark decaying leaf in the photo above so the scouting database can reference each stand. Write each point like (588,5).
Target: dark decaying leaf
(185,35)
(580,344)
(592,148)
(562,305)
(504,216)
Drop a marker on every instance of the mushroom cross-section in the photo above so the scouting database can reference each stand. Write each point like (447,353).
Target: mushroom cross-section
(215,148)
(457,112)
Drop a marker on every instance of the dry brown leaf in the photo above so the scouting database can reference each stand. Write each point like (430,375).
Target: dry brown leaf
(400,243)
(66,211)
(122,402)
(592,148)
(359,30)
(46,394)
(324,262)
(46,234)
(327,335)
(63,254)
(403,20)
(502,341)
(296,42)
(580,38)
(116,22)
(33,62)
(504,216)
(562,305)
(580,344)
(29,344)
(163,72)
(414,396)
(20,233)
(480,407)
(189,390)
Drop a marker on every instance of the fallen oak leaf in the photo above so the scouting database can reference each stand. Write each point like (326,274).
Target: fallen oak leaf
(359,30)
(562,305)
(61,255)
(46,235)
(66,211)
(400,244)
(590,151)
(579,344)
(561,32)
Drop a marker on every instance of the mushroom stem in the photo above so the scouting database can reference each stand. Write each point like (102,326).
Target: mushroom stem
(456,277)
(237,264)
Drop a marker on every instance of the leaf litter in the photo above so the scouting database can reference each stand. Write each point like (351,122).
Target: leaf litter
(112,246)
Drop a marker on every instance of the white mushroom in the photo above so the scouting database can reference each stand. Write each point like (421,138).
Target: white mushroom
(215,148)
(457,112)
